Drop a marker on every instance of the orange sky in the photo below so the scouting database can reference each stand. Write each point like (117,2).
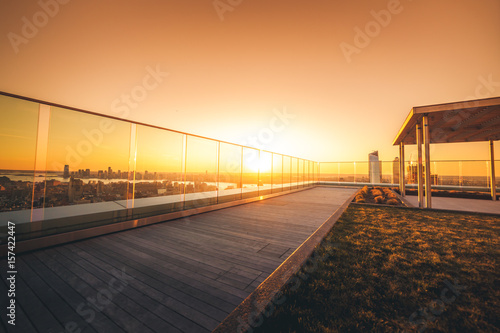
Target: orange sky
(229,79)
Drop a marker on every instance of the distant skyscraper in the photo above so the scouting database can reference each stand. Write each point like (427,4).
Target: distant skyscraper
(66,171)
(374,167)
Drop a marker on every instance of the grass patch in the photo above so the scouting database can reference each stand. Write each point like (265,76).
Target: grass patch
(384,268)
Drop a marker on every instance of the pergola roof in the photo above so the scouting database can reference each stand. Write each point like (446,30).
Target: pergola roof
(469,121)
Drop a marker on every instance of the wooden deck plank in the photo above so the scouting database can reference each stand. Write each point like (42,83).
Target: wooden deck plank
(180,272)
(155,313)
(39,315)
(94,318)
(208,294)
(22,323)
(113,310)
(54,303)
(161,288)
(185,275)
(213,260)
(207,267)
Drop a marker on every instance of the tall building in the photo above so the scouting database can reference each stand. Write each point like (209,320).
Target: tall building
(395,171)
(75,189)
(66,172)
(374,167)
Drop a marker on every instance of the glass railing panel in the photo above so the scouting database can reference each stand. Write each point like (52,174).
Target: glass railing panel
(411,172)
(390,172)
(329,172)
(443,173)
(230,177)
(306,173)
(474,174)
(250,174)
(201,172)
(311,173)
(266,173)
(287,173)
(159,184)
(277,173)
(497,173)
(301,173)
(295,173)
(361,172)
(18,135)
(347,172)
(87,171)
(18,140)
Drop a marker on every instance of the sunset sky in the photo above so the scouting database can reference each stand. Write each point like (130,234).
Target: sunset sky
(323,80)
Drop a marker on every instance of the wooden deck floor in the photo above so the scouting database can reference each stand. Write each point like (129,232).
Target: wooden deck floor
(185,275)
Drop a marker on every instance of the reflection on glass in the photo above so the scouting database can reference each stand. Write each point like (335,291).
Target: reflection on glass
(250,174)
(287,173)
(277,173)
(229,172)
(266,172)
(411,172)
(201,172)
(18,135)
(159,172)
(87,159)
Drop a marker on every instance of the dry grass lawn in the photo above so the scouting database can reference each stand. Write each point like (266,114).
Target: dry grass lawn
(390,269)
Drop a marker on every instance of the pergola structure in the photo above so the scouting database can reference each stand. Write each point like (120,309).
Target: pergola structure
(469,121)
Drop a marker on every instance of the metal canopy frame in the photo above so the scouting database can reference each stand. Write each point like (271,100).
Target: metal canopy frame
(467,121)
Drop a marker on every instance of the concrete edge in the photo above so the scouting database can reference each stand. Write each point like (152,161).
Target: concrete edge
(250,313)
(403,199)
(68,237)
(426,209)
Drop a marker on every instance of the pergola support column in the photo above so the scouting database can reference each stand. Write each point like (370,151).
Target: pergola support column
(402,185)
(493,182)
(427,141)
(419,167)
